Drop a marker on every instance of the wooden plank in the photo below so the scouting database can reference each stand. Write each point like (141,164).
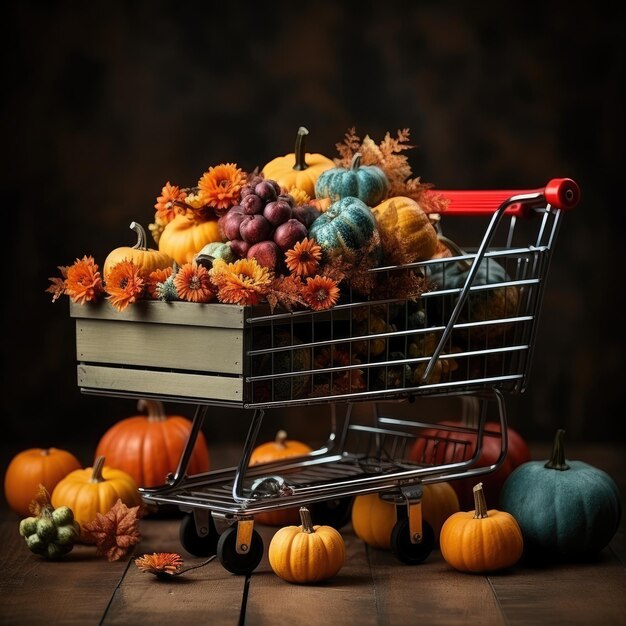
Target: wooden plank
(73,590)
(183,313)
(218,350)
(346,600)
(176,384)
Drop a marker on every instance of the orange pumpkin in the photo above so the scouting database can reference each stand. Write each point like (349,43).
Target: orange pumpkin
(32,467)
(184,237)
(149,447)
(280,448)
(298,169)
(145,258)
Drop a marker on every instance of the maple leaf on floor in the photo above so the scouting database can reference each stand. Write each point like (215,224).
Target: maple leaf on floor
(115,532)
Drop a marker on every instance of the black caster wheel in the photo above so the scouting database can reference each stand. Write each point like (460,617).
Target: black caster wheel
(234,562)
(205,545)
(335,512)
(404,550)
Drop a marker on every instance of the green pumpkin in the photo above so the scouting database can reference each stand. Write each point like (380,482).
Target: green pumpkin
(365,182)
(347,227)
(566,508)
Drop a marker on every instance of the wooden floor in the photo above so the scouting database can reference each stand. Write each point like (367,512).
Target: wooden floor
(371,589)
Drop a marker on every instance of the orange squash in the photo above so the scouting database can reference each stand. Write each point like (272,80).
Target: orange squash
(299,169)
(148,447)
(145,258)
(184,237)
(280,448)
(32,467)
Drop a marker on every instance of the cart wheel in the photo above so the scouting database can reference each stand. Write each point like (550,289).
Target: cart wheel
(336,512)
(234,562)
(194,543)
(404,550)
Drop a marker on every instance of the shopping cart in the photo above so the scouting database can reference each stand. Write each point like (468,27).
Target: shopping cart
(470,334)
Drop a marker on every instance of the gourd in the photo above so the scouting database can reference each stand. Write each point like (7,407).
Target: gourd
(30,468)
(481,540)
(215,250)
(52,533)
(405,230)
(299,169)
(147,259)
(567,508)
(368,183)
(148,447)
(279,448)
(346,228)
(306,553)
(184,237)
(373,518)
(95,490)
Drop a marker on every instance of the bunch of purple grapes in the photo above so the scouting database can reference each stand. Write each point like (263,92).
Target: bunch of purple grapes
(266,223)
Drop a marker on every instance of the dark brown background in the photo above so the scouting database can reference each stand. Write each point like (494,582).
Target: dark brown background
(106,101)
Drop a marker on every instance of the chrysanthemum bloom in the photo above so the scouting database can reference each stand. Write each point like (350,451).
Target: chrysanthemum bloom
(124,284)
(193,283)
(243,282)
(165,205)
(83,282)
(160,563)
(320,292)
(155,277)
(221,185)
(304,258)
(299,196)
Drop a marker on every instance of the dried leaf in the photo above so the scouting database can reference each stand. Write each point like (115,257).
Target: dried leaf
(40,502)
(285,292)
(115,532)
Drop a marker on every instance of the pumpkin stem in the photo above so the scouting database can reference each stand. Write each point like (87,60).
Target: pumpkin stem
(96,472)
(281,439)
(299,150)
(557,458)
(480,504)
(307,522)
(141,236)
(356,161)
(156,412)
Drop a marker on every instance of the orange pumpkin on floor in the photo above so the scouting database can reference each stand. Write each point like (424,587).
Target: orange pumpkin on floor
(148,447)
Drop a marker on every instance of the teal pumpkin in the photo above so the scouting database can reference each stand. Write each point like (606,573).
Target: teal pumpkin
(365,182)
(347,227)
(566,508)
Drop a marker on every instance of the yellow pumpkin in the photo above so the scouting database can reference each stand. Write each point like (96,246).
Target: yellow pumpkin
(183,238)
(481,540)
(147,259)
(373,518)
(405,231)
(95,490)
(299,169)
(306,554)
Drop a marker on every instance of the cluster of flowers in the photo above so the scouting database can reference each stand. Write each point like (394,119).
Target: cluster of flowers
(243,282)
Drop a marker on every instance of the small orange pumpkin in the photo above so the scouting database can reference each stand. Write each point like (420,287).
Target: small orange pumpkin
(481,540)
(30,468)
(184,237)
(298,169)
(147,259)
(95,490)
(149,447)
(280,448)
(306,553)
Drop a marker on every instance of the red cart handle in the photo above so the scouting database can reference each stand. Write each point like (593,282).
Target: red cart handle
(560,193)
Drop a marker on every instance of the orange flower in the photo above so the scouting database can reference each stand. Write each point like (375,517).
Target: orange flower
(320,292)
(193,283)
(160,563)
(220,186)
(243,282)
(124,284)
(165,207)
(83,282)
(304,258)
(157,276)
